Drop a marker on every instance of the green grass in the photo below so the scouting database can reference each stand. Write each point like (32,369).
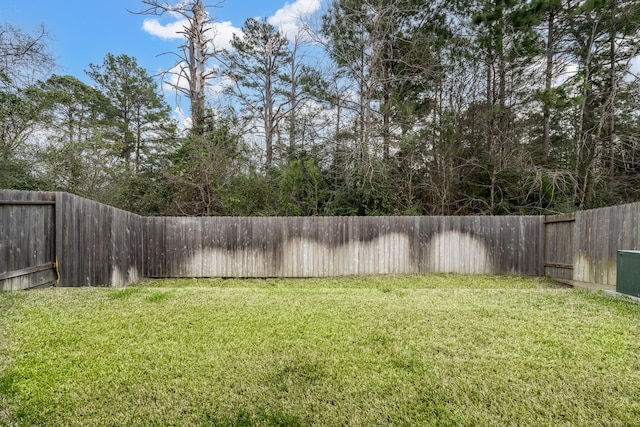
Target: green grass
(416,350)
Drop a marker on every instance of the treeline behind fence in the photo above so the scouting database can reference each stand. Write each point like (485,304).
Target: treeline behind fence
(61,238)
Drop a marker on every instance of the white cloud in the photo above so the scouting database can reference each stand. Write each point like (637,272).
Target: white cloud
(170,31)
(569,70)
(223,34)
(289,17)
(221,85)
(223,31)
(182,118)
(177,77)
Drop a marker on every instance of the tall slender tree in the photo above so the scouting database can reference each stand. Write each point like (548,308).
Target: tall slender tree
(24,58)
(257,65)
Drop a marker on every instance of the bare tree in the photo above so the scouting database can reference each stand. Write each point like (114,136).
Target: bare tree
(24,57)
(191,61)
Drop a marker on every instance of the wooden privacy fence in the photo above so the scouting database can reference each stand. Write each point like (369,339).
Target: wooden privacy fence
(337,246)
(588,242)
(95,244)
(558,250)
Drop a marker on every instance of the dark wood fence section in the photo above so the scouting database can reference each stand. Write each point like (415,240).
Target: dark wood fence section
(27,245)
(48,238)
(95,244)
(336,246)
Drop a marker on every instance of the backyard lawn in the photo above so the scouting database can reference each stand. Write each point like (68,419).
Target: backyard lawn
(415,350)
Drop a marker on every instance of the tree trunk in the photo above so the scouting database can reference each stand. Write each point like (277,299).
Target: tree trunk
(546,131)
(490,123)
(268,114)
(386,122)
(612,96)
(197,46)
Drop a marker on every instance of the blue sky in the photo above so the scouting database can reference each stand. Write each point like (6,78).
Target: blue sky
(84,31)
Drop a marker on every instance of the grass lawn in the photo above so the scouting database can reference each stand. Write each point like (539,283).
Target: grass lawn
(417,350)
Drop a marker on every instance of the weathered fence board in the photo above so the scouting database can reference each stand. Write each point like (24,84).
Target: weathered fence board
(335,246)
(26,239)
(559,248)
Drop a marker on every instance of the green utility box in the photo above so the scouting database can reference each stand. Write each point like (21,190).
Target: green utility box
(628,274)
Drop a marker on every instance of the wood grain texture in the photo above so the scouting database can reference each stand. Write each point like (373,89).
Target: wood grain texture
(588,241)
(96,244)
(598,235)
(559,246)
(337,246)
(27,225)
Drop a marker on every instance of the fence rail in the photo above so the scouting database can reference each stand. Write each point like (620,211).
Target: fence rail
(90,243)
(94,244)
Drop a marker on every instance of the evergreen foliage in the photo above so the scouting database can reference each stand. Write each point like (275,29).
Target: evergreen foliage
(416,107)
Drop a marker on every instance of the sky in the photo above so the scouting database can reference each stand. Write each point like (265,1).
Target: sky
(84,31)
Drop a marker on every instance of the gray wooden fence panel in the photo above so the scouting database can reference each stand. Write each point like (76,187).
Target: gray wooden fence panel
(585,250)
(333,246)
(27,252)
(479,245)
(484,227)
(598,235)
(155,247)
(97,245)
(101,245)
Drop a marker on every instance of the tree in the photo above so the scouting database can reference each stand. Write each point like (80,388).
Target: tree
(346,27)
(74,159)
(21,112)
(193,65)
(257,66)
(602,40)
(302,82)
(24,57)
(204,168)
(21,115)
(392,53)
(551,13)
(138,116)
